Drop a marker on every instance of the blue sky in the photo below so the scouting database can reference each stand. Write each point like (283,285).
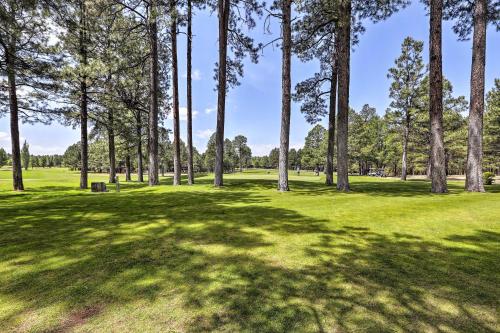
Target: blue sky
(254,108)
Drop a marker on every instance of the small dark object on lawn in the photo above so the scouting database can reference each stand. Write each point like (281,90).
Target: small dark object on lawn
(98,187)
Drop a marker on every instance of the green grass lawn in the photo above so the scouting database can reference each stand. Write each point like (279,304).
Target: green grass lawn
(387,257)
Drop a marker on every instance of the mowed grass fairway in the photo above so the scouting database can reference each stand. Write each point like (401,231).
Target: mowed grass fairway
(388,256)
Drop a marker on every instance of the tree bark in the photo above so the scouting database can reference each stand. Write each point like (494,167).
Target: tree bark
(343,99)
(189,95)
(17,172)
(331,117)
(128,168)
(223,13)
(286,95)
(474,172)
(83,100)
(406,133)
(140,169)
(175,96)
(438,172)
(111,147)
(153,177)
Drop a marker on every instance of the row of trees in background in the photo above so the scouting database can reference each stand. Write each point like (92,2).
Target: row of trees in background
(32,161)
(112,66)
(237,156)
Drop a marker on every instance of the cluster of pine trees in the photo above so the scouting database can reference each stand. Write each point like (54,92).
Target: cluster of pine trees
(111,66)
(399,145)
(326,31)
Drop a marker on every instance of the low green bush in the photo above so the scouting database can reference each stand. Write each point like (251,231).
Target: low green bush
(488,178)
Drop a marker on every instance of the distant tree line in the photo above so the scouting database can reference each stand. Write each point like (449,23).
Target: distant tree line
(379,142)
(237,156)
(32,161)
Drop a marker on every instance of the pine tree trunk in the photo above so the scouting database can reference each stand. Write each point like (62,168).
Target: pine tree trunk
(223,13)
(331,118)
(175,96)
(154,87)
(83,100)
(406,132)
(438,172)
(17,172)
(111,147)
(189,96)
(128,168)
(140,169)
(343,99)
(474,173)
(286,95)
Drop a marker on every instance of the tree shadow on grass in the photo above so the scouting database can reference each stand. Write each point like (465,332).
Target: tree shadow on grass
(209,257)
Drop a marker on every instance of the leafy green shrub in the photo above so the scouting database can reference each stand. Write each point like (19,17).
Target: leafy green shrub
(488,178)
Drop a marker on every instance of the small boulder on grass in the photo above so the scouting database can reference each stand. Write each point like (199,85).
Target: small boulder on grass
(98,187)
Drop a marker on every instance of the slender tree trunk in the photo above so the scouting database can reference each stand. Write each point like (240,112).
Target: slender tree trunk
(128,168)
(343,100)
(111,147)
(474,173)
(223,13)
(17,172)
(331,117)
(406,133)
(154,87)
(438,172)
(286,95)
(189,95)
(140,169)
(175,95)
(83,99)
(428,169)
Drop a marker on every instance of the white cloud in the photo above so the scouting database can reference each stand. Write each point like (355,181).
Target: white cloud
(210,110)
(5,139)
(183,114)
(41,150)
(297,146)
(205,134)
(34,149)
(4,136)
(195,75)
(262,149)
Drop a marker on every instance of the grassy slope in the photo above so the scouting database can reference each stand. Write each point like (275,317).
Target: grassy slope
(388,256)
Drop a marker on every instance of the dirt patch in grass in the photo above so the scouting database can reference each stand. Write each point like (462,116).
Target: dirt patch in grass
(78,318)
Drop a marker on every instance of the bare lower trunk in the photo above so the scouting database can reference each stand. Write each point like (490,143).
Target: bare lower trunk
(428,169)
(111,148)
(343,99)
(189,96)
(474,172)
(153,112)
(223,12)
(404,165)
(128,168)
(175,95)
(17,172)
(331,118)
(83,102)
(285,102)
(438,171)
(140,169)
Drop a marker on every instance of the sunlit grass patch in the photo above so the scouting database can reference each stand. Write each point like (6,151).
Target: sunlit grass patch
(388,256)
